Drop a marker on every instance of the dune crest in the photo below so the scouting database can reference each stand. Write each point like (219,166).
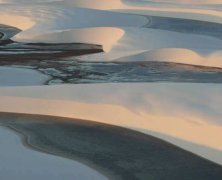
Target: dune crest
(105,36)
(96,4)
(178,55)
(21,22)
(123,27)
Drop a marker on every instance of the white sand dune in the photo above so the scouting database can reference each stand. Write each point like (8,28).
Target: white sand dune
(160,45)
(103,35)
(167,111)
(190,112)
(178,55)
(35,165)
(118,26)
(187,1)
(95,4)
(55,25)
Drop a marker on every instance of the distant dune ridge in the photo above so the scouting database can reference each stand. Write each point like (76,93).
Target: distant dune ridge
(121,27)
(179,31)
(187,1)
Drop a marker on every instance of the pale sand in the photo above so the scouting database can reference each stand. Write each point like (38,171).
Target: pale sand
(173,112)
(119,29)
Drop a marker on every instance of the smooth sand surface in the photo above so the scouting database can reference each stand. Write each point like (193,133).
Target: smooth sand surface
(187,112)
(123,28)
(118,152)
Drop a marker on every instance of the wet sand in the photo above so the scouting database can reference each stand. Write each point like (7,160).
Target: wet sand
(117,152)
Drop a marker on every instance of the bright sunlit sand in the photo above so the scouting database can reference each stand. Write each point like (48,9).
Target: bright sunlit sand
(111,89)
(177,111)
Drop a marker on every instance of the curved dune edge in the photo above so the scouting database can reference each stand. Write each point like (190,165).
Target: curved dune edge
(177,55)
(210,150)
(165,46)
(105,36)
(53,24)
(149,108)
(95,4)
(34,163)
(117,26)
(147,152)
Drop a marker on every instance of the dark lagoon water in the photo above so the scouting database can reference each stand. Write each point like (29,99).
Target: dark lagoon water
(75,72)
(85,72)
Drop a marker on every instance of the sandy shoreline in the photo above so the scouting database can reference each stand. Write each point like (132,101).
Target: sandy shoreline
(115,151)
(172,110)
(37,165)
